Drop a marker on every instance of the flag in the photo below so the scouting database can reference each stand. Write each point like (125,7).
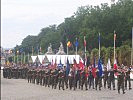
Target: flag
(67,67)
(69,44)
(108,65)
(115,65)
(60,65)
(84,42)
(75,64)
(81,65)
(76,43)
(55,64)
(100,67)
(114,35)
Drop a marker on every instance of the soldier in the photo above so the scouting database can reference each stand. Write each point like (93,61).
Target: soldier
(105,77)
(84,79)
(71,77)
(127,78)
(121,76)
(90,78)
(111,78)
(61,78)
(98,80)
(44,77)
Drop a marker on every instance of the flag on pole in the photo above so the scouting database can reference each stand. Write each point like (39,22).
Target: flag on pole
(115,65)
(67,67)
(76,43)
(108,65)
(60,65)
(69,44)
(114,35)
(81,65)
(100,67)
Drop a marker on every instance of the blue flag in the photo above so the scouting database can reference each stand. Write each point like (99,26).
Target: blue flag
(100,67)
(67,67)
(76,43)
(60,65)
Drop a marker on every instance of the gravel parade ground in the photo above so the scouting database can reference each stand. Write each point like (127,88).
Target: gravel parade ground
(20,89)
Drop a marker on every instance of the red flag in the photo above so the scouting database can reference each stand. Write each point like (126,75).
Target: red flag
(94,72)
(75,66)
(115,65)
(81,65)
(55,64)
(114,36)
(84,42)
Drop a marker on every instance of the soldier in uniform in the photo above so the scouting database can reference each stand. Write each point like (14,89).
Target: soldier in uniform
(111,78)
(98,80)
(121,75)
(105,77)
(84,79)
(61,78)
(90,79)
(127,78)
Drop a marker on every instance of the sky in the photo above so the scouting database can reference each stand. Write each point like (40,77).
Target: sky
(20,18)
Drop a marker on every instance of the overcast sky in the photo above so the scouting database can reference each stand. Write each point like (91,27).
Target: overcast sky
(21,18)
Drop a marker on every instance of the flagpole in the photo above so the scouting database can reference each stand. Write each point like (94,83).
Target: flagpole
(28,57)
(24,57)
(21,58)
(76,47)
(99,46)
(132,49)
(14,57)
(32,50)
(85,51)
(114,44)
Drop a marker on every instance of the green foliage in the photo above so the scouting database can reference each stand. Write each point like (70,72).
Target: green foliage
(89,21)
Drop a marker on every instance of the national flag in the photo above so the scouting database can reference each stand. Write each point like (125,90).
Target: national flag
(60,65)
(75,66)
(76,43)
(55,64)
(114,35)
(67,67)
(108,65)
(115,65)
(69,44)
(100,67)
(81,65)
(84,42)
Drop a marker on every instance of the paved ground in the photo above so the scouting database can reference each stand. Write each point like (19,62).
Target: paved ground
(19,89)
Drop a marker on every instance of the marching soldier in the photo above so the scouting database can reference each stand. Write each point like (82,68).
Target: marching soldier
(127,78)
(61,78)
(105,77)
(121,76)
(84,79)
(111,78)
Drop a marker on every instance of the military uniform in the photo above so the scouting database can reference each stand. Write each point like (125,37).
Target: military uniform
(111,79)
(121,76)
(105,77)
(61,79)
(127,78)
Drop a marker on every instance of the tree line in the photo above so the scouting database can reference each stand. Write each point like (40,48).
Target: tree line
(89,21)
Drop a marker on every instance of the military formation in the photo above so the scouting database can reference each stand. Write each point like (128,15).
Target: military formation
(61,78)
